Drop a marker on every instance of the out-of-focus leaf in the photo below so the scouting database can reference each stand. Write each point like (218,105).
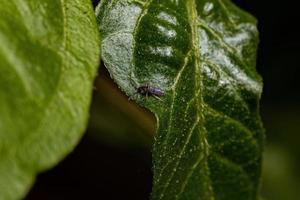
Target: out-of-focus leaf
(49,56)
(202,55)
(280,180)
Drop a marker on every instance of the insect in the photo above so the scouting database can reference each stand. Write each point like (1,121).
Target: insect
(149,90)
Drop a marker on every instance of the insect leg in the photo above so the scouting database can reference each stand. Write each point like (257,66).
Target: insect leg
(156,97)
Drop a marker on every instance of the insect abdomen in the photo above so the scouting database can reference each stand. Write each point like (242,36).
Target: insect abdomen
(156,91)
(150,90)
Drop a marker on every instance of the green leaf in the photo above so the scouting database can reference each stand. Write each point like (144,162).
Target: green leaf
(201,54)
(49,55)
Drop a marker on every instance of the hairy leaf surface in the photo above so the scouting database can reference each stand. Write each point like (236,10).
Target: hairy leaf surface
(201,54)
(49,55)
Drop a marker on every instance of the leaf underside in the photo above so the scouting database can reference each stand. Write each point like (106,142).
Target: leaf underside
(49,55)
(202,55)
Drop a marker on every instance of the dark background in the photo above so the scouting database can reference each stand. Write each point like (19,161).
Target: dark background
(114,170)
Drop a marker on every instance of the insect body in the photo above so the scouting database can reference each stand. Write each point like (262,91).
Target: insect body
(149,90)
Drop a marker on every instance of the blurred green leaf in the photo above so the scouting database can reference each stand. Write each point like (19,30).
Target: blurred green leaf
(49,55)
(280,178)
(282,155)
(202,55)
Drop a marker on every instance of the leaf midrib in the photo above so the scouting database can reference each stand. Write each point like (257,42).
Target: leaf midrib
(195,54)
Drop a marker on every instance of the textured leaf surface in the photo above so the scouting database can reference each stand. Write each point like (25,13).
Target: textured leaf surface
(202,54)
(49,55)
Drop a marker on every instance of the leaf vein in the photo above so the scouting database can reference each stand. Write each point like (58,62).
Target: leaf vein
(190,133)
(232,81)
(238,123)
(227,47)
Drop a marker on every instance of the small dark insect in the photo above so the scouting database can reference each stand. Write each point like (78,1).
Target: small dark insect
(149,90)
